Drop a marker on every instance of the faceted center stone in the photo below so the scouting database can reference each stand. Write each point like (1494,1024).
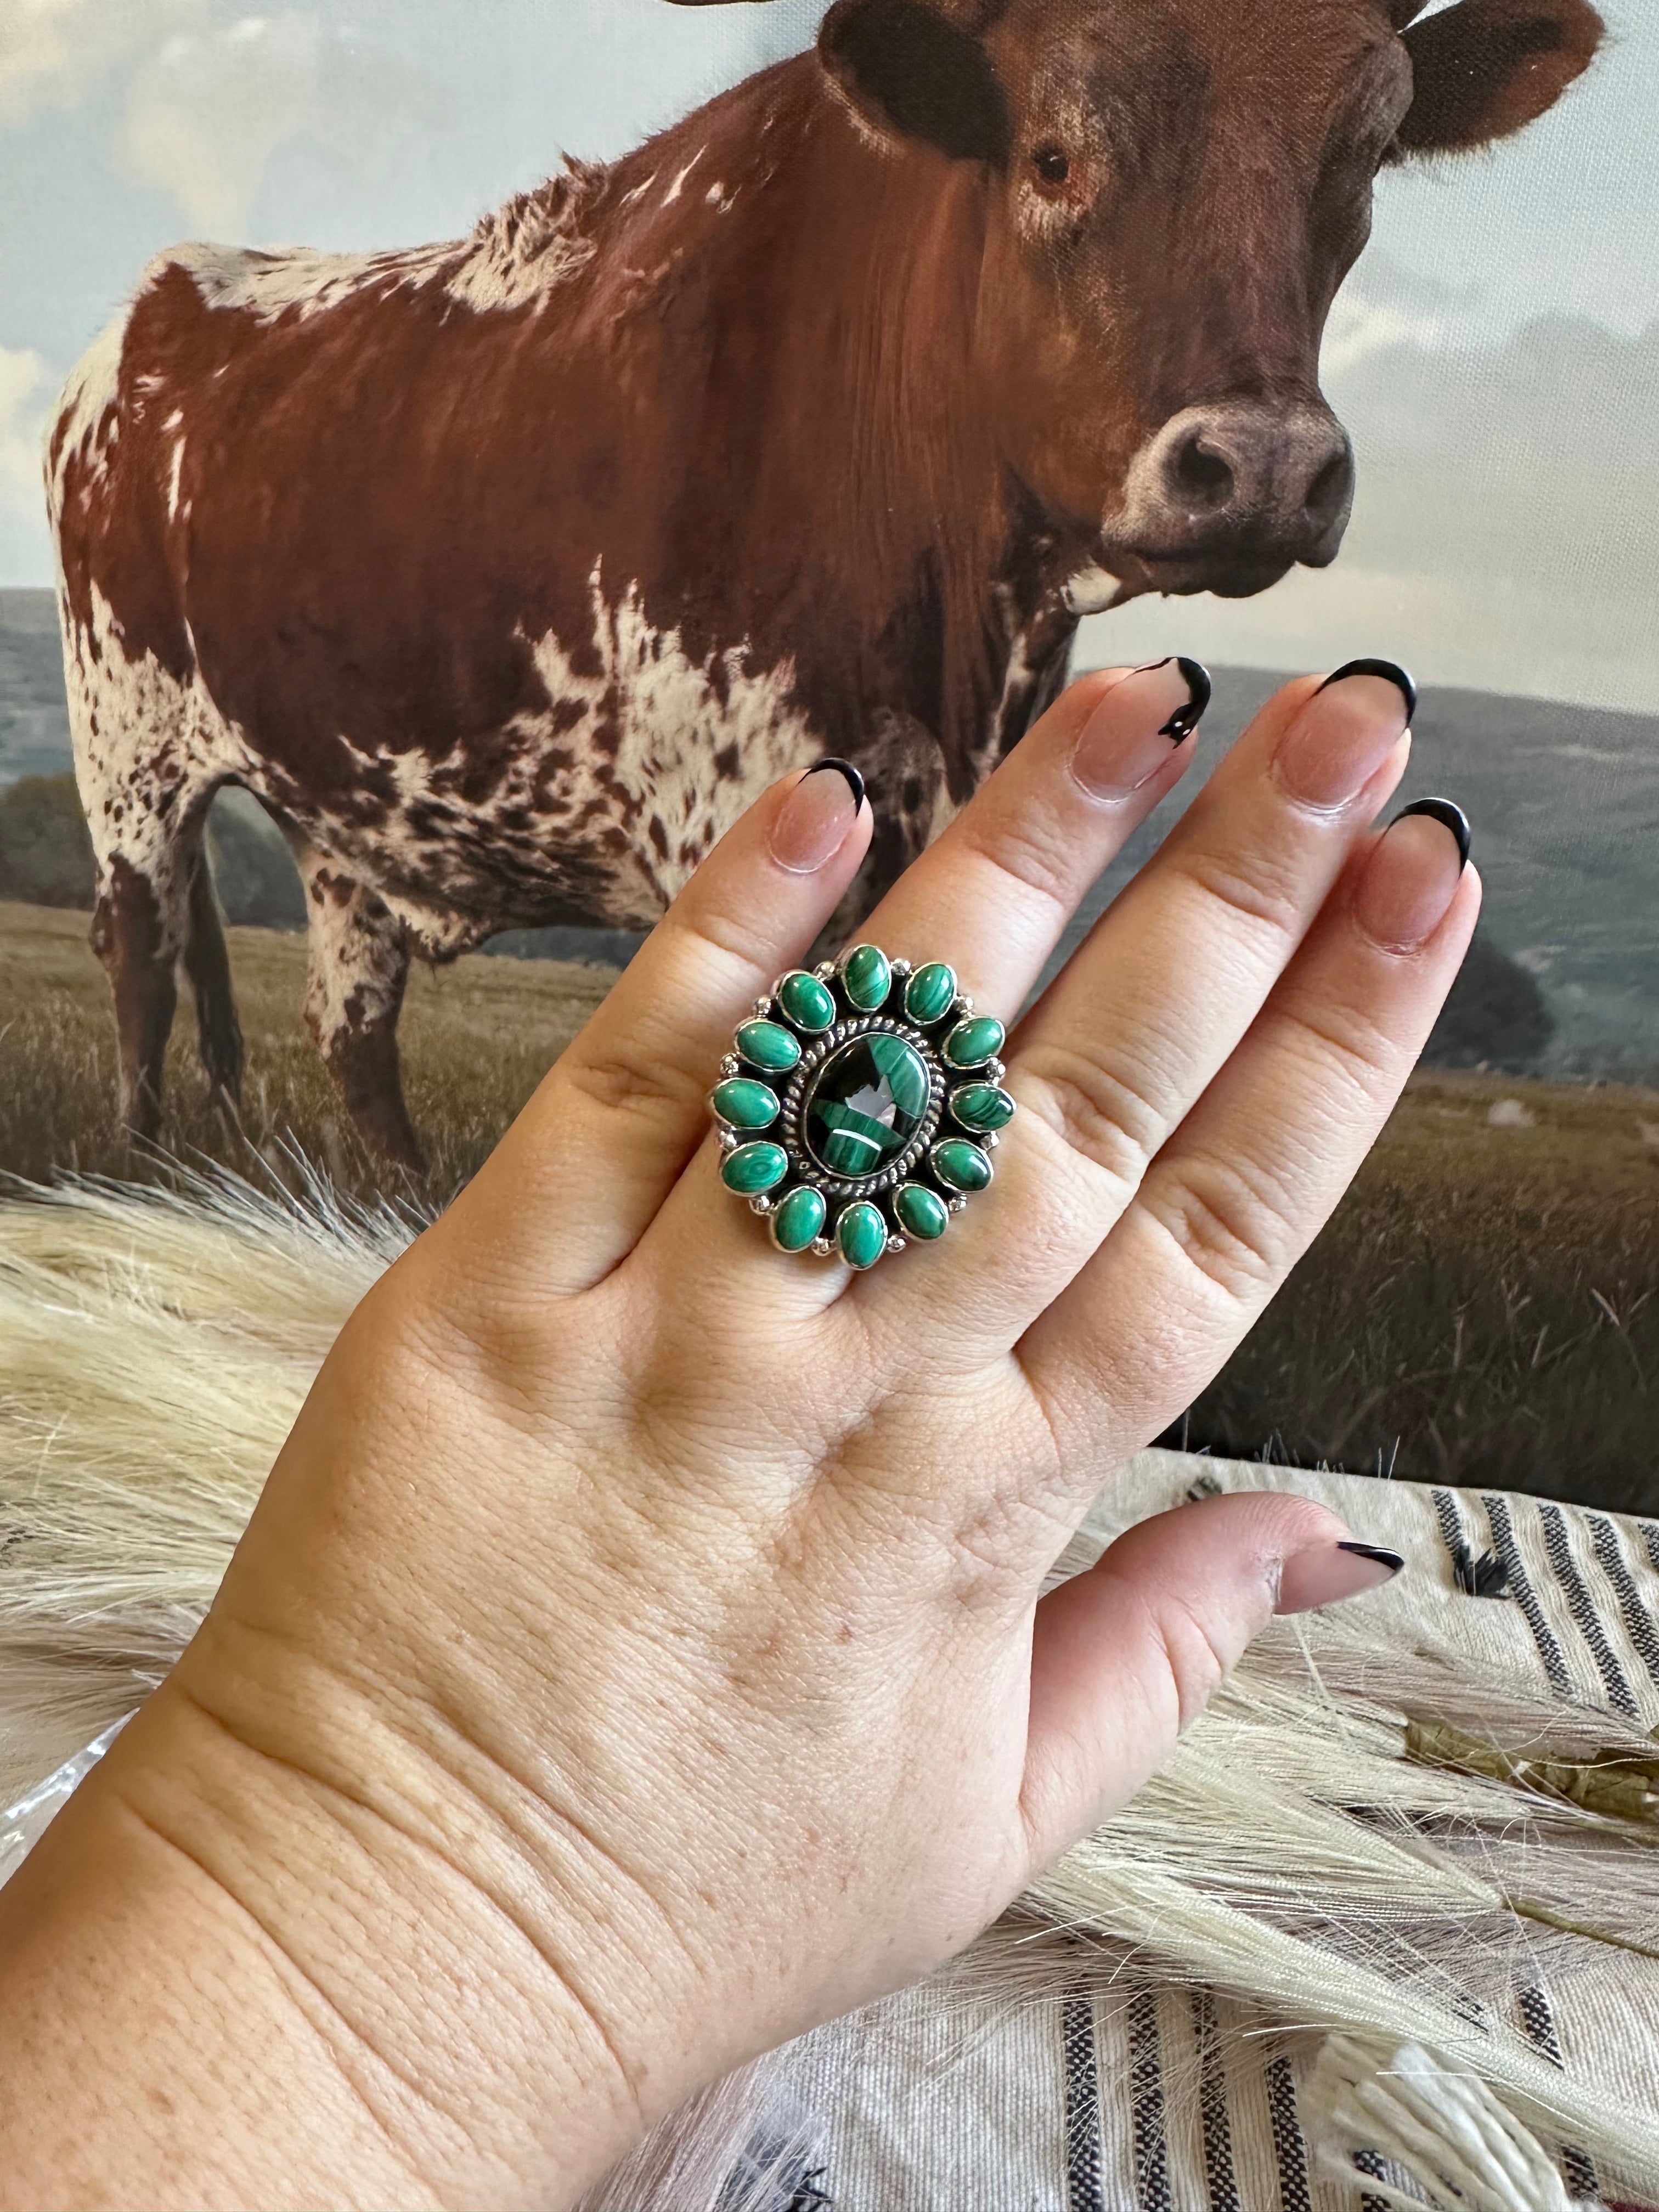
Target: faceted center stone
(865,1105)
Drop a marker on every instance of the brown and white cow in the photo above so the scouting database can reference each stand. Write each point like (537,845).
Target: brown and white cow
(506,572)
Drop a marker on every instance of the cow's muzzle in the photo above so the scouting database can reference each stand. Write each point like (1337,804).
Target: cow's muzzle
(1227,497)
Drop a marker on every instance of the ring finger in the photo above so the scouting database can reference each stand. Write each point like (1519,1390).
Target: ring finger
(995,890)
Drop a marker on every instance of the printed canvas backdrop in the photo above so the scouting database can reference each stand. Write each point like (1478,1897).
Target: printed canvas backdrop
(1495,357)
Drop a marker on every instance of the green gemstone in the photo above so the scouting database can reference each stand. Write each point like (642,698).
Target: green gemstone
(867,977)
(960,1165)
(865,1105)
(930,992)
(754,1168)
(799,1218)
(970,1044)
(921,1212)
(745,1103)
(805,1002)
(861,1233)
(769,1045)
(981,1106)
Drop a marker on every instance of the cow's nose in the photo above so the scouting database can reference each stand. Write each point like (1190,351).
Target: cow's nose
(1243,479)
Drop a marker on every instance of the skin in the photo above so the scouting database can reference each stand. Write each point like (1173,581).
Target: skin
(636,1655)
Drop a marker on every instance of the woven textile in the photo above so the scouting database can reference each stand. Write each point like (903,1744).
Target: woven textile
(1152,2102)
(1154,2099)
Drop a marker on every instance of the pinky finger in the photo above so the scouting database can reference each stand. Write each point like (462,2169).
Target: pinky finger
(1251,1176)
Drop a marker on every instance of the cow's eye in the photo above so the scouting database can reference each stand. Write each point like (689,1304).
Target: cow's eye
(1052,163)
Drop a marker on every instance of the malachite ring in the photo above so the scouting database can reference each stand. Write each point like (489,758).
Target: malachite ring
(859,1105)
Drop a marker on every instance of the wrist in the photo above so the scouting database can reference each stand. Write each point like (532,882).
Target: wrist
(402,1957)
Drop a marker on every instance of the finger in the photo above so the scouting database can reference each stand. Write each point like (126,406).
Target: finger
(1145,1013)
(991,897)
(1246,1183)
(1127,1656)
(993,893)
(584,1169)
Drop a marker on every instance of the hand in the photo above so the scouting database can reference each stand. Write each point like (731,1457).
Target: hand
(636,1657)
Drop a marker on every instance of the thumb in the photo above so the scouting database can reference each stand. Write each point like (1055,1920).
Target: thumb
(1124,1657)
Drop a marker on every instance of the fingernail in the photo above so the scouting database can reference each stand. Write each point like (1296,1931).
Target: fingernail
(1330,1572)
(1346,732)
(1141,722)
(1387,672)
(1446,811)
(1413,874)
(814,822)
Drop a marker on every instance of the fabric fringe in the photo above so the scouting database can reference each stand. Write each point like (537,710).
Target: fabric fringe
(1442,2130)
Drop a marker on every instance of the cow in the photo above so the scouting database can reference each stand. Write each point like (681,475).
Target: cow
(505,572)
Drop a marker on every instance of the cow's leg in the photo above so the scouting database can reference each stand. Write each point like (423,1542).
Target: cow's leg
(359,965)
(207,963)
(139,928)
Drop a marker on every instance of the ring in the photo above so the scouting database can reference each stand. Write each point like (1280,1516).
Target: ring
(859,1105)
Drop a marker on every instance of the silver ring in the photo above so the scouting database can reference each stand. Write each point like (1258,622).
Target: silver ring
(859,1105)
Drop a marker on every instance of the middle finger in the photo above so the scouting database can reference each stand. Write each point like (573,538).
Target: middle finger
(1128,1037)
(991,895)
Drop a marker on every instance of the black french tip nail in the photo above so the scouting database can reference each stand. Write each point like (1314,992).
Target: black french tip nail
(1392,1561)
(854,781)
(1185,719)
(1389,671)
(1449,814)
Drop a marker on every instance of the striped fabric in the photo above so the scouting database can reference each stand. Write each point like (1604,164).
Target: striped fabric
(1142,2103)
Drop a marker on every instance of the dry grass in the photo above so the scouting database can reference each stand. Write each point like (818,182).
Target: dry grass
(1481,1310)
(476,1038)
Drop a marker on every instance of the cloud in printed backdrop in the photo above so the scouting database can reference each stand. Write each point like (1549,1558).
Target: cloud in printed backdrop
(1496,354)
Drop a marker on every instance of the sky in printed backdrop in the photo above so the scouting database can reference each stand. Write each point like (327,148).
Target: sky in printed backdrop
(1496,354)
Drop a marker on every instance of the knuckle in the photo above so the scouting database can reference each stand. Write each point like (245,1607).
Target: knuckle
(1230,1228)
(1192,1651)
(1345,1046)
(710,935)
(1026,850)
(1258,888)
(1096,1112)
(634,1083)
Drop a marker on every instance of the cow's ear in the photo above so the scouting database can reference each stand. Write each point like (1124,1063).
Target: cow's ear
(1487,68)
(912,72)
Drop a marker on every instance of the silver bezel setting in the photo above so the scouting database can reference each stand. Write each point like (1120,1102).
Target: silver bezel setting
(793,1088)
(789,1128)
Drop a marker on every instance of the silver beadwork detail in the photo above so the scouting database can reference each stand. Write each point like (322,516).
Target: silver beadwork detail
(838,1190)
(792,1088)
